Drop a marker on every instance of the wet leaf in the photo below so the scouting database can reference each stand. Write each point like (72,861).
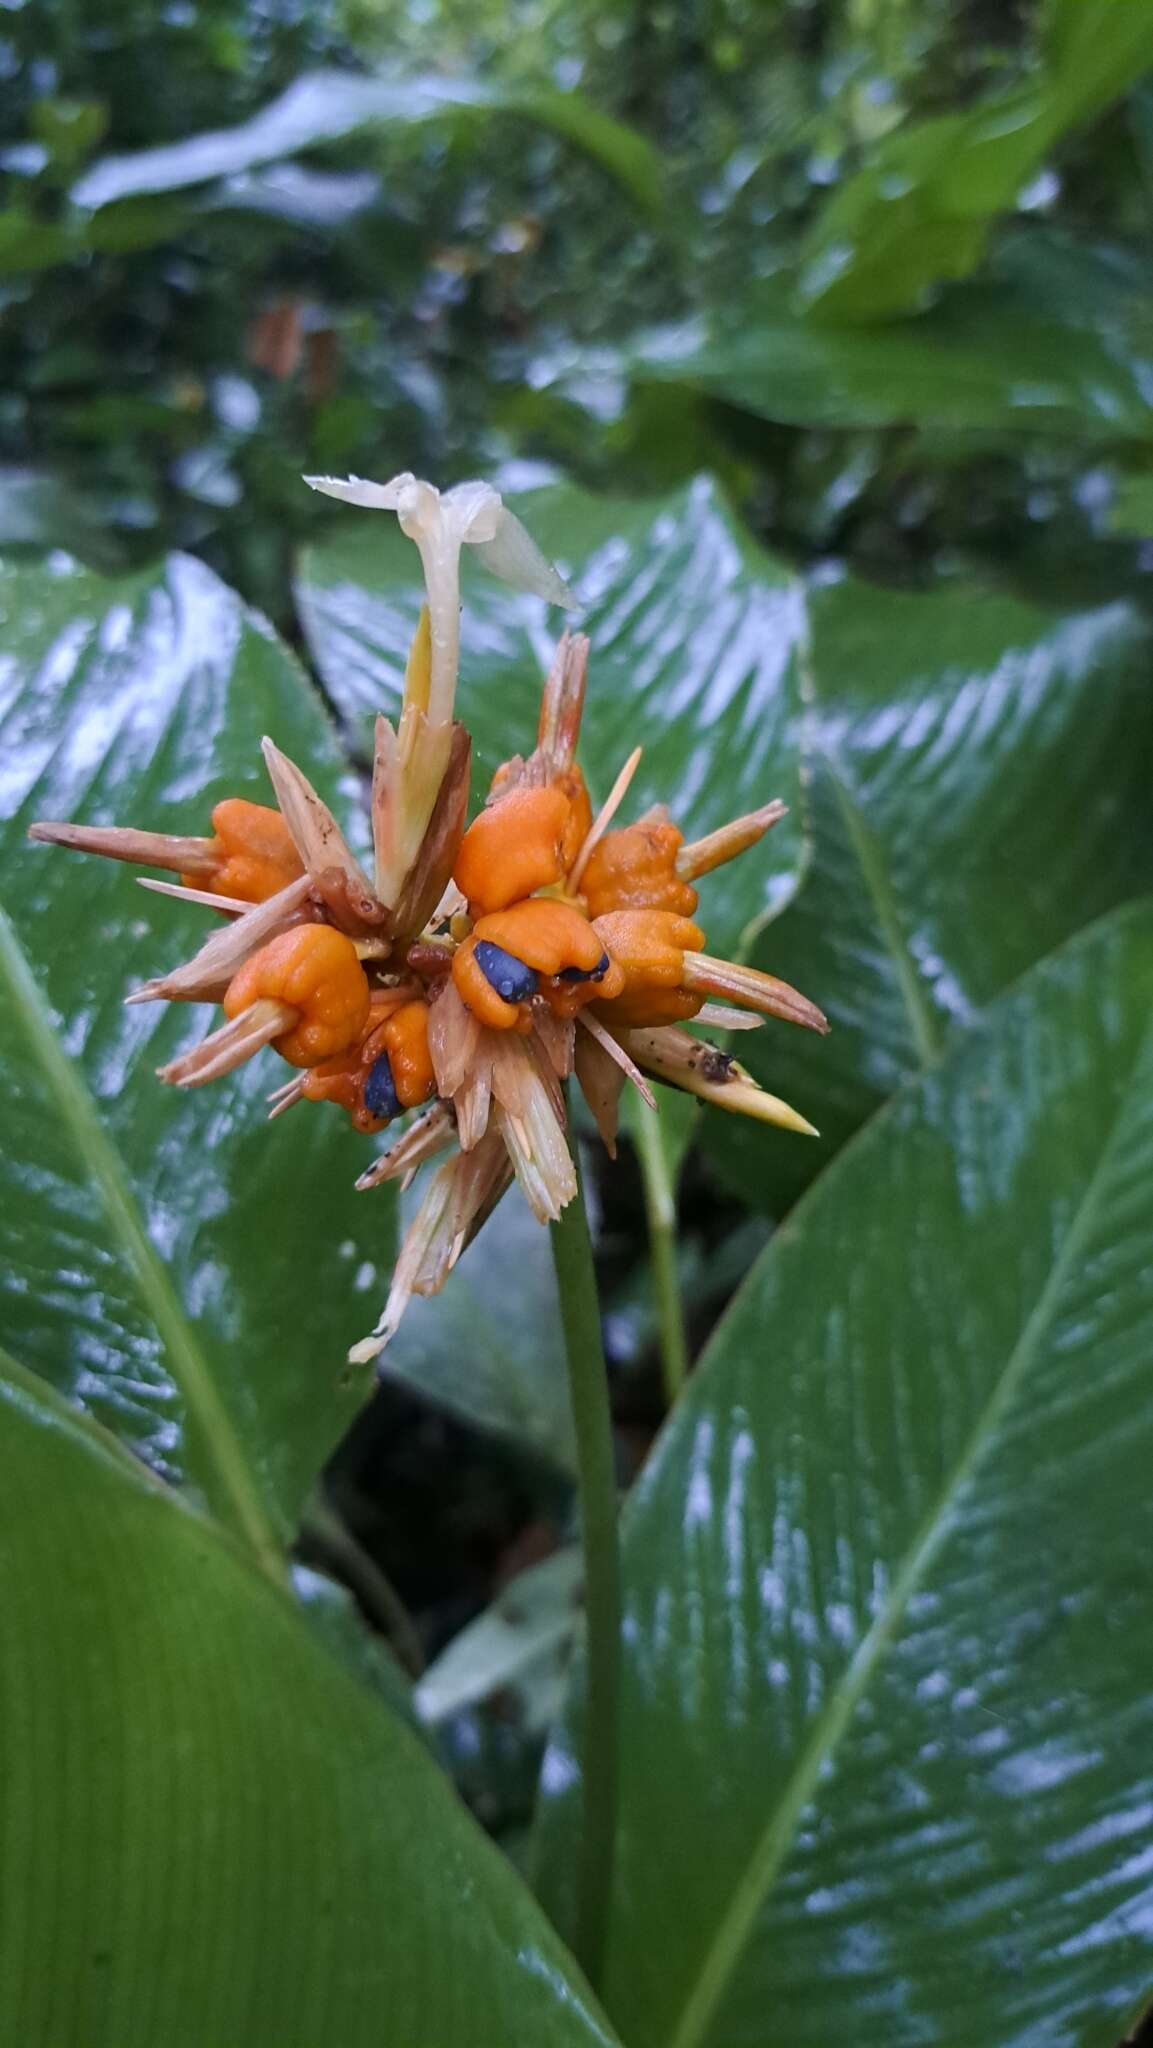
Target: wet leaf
(327,106)
(189,1273)
(489,1348)
(336,1621)
(39,509)
(922,208)
(696,637)
(978,793)
(1054,338)
(886,1743)
(215,1833)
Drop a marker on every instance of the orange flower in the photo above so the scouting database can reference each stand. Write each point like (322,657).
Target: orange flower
(477,966)
(387,1072)
(255,852)
(515,847)
(636,869)
(250,856)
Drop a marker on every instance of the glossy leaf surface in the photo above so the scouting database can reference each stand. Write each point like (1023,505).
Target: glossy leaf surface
(170,1260)
(212,1832)
(696,638)
(922,207)
(327,106)
(489,1347)
(979,793)
(887,1727)
(1055,338)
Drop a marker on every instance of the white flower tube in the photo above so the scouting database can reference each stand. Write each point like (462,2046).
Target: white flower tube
(440,524)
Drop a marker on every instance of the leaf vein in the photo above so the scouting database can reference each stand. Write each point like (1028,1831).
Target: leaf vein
(776,1839)
(923,1022)
(99,1155)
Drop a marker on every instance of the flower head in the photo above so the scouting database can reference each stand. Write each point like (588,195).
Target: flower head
(480,965)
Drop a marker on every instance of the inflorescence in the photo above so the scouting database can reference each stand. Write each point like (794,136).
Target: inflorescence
(480,965)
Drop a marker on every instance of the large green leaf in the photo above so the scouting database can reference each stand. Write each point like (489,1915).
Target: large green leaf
(696,639)
(1057,338)
(212,1833)
(187,1272)
(490,1347)
(979,792)
(887,1727)
(922,207)
(325,107)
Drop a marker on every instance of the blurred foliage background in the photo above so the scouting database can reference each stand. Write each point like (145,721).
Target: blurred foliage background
(878,265)
(490,270)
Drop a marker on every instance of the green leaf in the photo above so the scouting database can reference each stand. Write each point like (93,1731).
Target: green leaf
(696,655)
(1056,339)
(40,509)
(214,1833)
(336,1621)
(324,107)
(1131,511)
(188,1273)
(520,1644)
(27,243)
(922,207)
(68,128)
(1094,48)
(619,149)
(886,1744)
(489,1348)
(978,794)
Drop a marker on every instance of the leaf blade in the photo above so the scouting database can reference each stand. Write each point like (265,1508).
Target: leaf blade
(976,796)
(244,1509)
(866,1593)
(199,1899)
(142,699)
(330,106)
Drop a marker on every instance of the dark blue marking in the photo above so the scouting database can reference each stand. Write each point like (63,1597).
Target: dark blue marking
(380,1096)
(512,980)
(596,973)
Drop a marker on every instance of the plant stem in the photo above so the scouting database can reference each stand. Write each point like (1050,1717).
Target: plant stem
(596,1479)
(661,1210)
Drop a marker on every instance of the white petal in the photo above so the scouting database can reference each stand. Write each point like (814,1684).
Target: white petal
(513,555)
(475,510)
(418,510)
(356,490)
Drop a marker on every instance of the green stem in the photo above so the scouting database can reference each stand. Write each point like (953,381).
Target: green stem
(661,1210)
(596,1479)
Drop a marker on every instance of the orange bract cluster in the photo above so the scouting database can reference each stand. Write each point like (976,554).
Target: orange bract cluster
(475,968)
(549,914)
(557,914)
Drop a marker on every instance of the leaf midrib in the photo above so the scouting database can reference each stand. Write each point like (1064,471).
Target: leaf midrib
(923,1024)
(776,1839)
(189,1366)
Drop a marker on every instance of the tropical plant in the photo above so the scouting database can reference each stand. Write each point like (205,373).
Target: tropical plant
(707,1610)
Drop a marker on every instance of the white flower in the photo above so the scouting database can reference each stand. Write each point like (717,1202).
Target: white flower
(441,523)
